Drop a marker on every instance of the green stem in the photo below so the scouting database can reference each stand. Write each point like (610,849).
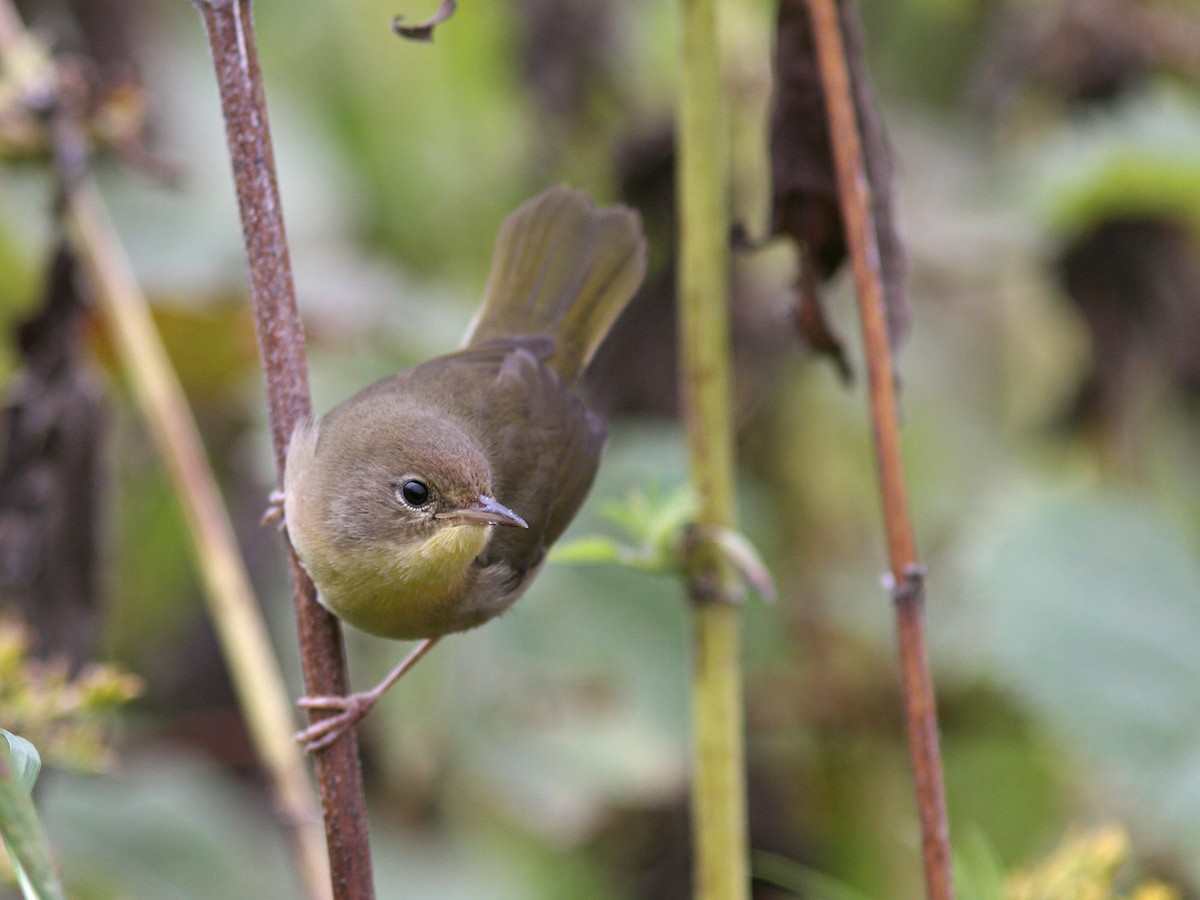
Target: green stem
(718,789)
(719,830)
(703,267)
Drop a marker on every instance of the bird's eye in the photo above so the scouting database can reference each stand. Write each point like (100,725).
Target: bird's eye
(414,493)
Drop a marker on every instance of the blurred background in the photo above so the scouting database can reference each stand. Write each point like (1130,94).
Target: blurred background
(1048,192)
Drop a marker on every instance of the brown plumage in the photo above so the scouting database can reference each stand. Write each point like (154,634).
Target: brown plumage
(395,501)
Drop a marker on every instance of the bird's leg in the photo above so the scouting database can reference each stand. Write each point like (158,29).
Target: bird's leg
(353,707)
(274,510)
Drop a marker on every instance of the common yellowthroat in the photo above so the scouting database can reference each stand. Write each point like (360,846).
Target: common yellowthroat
(425,504)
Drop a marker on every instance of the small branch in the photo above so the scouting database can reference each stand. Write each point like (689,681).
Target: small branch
(281,347)
(719,788)
(907,573)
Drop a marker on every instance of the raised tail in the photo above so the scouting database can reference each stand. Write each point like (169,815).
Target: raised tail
(564,268)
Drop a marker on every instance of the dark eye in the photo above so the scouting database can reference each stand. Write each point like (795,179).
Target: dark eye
(414,493)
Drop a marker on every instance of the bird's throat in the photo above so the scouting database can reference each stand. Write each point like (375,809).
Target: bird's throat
(443,556)
(407,590)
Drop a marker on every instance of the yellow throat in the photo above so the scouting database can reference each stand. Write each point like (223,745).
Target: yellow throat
(406,590)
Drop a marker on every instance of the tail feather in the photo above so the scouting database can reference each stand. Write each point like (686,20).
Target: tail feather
(564,268)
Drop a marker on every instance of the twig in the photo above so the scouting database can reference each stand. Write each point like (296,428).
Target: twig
(907,573)
(281,347)
(235,613)
(719,789)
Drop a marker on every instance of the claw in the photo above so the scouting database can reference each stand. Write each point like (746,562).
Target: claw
(353,707)
(274,511)
(319,735)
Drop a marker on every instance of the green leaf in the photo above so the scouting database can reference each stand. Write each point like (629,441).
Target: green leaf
(26,762)
(978,871)
(800,879)
(1135,159)
(19,823)
(593,549)
(165,826)
(653,522)
(1089,607)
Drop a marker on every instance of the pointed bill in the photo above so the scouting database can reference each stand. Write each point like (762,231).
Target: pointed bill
(485,511)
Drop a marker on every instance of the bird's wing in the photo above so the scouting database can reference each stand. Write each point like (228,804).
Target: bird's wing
(542,442)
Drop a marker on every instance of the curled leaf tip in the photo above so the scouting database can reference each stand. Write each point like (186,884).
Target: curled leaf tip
(424,30)
(742,556)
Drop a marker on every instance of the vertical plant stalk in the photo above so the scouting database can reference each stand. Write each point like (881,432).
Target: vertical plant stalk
(719,826)
(257,680)
(281,348)
(906,570)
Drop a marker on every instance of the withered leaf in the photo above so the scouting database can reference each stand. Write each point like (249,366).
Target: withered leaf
(803,183)
(812,325)
(806,202)
(424,31)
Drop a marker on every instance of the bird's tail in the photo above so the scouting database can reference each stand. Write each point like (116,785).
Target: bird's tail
(564,268)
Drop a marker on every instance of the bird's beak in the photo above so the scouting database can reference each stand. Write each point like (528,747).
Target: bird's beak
(485,511)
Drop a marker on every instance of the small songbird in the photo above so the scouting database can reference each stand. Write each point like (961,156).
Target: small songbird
(425,504)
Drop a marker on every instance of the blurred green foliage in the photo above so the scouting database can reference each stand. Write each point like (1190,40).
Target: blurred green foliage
(28,852)
(654,523)
(1085,866)
(546,754)
(69,716)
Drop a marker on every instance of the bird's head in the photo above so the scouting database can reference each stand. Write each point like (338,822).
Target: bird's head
(426,489)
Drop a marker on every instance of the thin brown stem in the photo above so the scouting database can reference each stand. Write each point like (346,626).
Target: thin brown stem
(281,347)
(907,572)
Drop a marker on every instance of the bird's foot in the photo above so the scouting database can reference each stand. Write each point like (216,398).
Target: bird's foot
(350,710)
(274,511)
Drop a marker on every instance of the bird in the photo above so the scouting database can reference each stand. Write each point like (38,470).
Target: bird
(425,504)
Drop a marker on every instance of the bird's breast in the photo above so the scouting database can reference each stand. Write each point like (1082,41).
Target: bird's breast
(407,590)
